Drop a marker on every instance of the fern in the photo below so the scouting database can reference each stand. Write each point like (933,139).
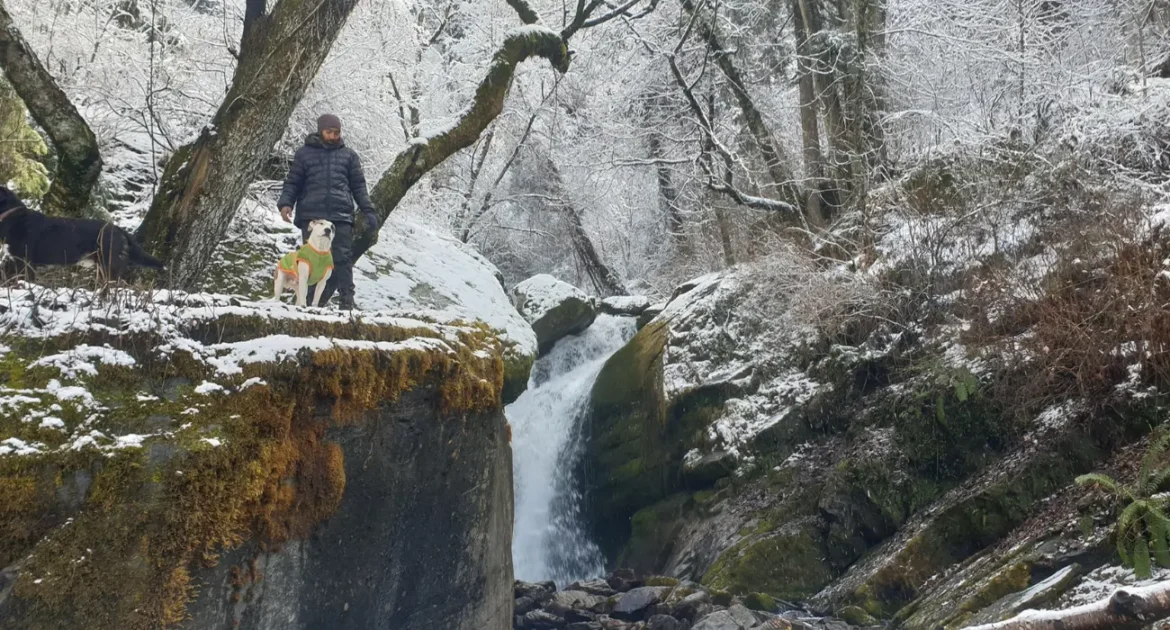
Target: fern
(1141,560)
(1158,446)
(1143,525)
(1158,527)
(1105,481)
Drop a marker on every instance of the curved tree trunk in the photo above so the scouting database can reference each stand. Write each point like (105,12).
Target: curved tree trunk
(425,154)
(205,181)
(79,163)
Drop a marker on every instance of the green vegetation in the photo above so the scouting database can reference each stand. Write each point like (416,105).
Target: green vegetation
(1143,528)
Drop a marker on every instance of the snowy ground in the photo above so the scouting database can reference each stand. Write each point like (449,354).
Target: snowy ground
(64,414)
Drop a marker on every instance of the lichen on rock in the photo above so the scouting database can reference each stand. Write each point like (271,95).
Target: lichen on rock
(161,434)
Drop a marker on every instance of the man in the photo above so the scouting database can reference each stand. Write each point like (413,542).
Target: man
(324,182)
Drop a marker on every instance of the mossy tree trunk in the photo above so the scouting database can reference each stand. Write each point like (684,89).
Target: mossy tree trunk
(79,163)
(204,181)
(424,154)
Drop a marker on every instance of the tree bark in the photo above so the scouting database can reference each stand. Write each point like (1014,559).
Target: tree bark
(79,163)
(205,181)
(1126,609)
(814,161)
(777,163)
(425,154)
(668,197)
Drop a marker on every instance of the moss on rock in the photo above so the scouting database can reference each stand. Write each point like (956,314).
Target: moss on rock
(254,464)
(788,563)
(627,453)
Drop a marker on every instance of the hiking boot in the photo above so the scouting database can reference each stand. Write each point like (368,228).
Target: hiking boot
(346,305)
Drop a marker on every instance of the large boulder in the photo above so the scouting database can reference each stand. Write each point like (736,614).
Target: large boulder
(555,309)
(411,268)
(217,463)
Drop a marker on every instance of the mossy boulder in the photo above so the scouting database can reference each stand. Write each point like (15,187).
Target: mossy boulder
(411,271)
(787,562)
(217,471)
(627,459)
(652,535)
(969,519)
(555,309)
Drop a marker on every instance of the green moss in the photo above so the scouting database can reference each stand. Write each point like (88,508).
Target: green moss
(946,425)
(721,597)
(154,515)
(1010,580)
(788,562)
(970,525)
(628,454)
(660,580)
(760,601)
(652,534)
(855,616)
(22,151)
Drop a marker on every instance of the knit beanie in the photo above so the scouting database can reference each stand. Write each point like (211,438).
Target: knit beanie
(328,121)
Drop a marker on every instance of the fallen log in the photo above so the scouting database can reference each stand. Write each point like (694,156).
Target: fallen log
(1125,609)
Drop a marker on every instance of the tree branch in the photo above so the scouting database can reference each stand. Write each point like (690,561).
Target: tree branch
(79,161)
(424,154)
(254,12)
(525,11)
(1126,609)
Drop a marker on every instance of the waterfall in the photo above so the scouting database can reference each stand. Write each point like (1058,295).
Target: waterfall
(549,540)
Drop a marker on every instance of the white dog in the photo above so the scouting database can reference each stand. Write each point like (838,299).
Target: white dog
(311,264)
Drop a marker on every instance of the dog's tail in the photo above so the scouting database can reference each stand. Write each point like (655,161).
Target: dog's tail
(139,256)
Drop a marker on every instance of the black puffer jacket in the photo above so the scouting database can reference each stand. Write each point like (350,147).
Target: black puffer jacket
(324,182)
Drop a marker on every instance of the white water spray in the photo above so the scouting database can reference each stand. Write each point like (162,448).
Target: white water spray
(549,540)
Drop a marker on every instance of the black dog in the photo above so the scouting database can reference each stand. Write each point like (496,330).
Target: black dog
(34,238)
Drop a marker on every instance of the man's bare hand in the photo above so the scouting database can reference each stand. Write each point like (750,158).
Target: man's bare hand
(286,214)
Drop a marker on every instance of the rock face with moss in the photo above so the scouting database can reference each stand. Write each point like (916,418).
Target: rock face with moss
(410,269)
(202,462)
(864,470)
(555,309)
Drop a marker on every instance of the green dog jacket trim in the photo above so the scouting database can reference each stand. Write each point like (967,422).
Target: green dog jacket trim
(319,262)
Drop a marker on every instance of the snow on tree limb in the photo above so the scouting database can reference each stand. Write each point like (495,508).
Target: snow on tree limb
(424,154)
(525,11)
(80,162)
(1125,609)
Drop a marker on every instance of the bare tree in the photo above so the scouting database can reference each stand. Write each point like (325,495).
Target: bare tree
(204,182)
(79,162)
(424,154)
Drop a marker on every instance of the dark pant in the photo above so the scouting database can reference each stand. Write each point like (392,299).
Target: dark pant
(342,279)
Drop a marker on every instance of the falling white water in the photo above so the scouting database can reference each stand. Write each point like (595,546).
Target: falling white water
(549,540)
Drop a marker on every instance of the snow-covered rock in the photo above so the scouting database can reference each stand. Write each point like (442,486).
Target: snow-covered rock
(411,268)
(555,309)
(625,305)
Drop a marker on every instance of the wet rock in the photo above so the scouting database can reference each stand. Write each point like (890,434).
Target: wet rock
(594,587)
(535,590)
(663,622)
(693,606)
(584,625)
(632,604)
(734,618)
(701,470)
(564,601)
(622,580)
(525,604)
(539,620)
